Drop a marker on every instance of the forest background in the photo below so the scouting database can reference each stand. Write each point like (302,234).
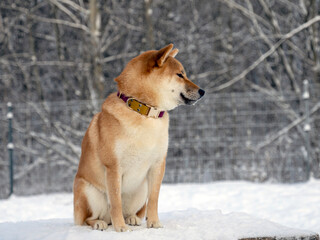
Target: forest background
(259,120)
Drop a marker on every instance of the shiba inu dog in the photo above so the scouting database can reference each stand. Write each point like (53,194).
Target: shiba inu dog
(124,150)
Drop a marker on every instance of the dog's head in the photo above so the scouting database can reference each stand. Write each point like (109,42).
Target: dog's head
(156,78)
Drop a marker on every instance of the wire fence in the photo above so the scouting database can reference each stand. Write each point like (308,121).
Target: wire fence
(227,136)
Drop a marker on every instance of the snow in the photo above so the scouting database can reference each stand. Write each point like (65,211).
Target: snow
(187,211)
(188,224)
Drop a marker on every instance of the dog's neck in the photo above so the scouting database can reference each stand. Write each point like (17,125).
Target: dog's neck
(140,107)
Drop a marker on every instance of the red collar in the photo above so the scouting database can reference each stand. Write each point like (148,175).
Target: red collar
(140,107)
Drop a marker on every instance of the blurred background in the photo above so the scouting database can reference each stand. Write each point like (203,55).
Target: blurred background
(259,62)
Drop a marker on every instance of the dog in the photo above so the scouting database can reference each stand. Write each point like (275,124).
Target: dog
(123,152)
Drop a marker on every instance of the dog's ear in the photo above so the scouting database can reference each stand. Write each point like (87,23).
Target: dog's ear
(163,54)
(174,52)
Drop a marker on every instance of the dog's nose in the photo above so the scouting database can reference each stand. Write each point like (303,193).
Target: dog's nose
(201,92)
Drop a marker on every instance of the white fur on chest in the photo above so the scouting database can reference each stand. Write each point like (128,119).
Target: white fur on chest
(138,150)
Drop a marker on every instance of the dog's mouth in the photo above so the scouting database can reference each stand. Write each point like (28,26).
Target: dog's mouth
(186,100)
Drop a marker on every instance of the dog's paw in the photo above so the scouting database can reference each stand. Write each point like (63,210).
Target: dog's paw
(123,228)
(100,225)
(154,224)
(133,220)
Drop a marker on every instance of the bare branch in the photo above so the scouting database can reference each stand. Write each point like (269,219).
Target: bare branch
(65,10)
(119,56)
(286,129)
(122,22)
(59,21)
(243,10)
(75,6)
(267,54)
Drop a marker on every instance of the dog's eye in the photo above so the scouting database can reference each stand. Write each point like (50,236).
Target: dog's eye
(180,75)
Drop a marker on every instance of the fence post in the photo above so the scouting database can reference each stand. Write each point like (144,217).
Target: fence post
(10,145)
(307,127)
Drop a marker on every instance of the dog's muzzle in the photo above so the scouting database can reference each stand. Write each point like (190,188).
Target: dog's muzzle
(191,100)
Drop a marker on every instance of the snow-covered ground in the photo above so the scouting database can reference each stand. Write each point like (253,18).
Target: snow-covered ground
(194,210)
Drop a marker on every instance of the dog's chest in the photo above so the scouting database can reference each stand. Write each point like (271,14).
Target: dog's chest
(138,150)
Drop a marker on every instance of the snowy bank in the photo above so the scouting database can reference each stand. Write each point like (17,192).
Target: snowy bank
(189,224)
(292,205)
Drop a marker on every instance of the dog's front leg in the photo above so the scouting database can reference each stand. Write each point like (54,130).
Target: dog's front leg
(114,194)
(155,177)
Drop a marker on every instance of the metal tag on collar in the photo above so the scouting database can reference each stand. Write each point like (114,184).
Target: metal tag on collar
(153,112)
